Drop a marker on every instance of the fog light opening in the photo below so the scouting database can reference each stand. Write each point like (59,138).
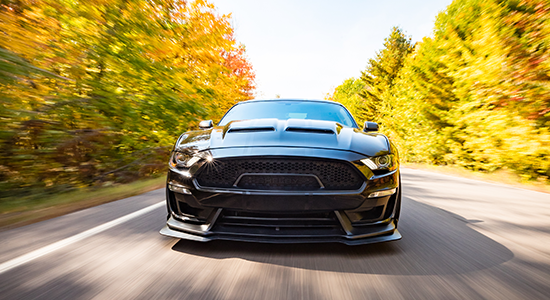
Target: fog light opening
(383,193)
(178,189)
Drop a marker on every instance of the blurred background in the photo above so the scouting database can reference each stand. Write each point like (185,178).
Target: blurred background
(474,94)
(94,93)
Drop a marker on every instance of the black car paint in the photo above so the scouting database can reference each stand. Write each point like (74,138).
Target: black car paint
(307,139)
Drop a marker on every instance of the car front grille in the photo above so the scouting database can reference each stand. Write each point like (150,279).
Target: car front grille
(280,174)
(278,182)
(299,224)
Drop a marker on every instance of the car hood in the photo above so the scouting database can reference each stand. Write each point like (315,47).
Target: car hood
(286,133)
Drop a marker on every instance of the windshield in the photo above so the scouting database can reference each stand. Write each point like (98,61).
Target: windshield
(284,110)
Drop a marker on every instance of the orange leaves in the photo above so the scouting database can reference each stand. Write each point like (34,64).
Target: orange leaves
(239,67)
(141,71)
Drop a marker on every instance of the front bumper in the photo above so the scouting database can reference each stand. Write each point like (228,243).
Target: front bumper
(350,217)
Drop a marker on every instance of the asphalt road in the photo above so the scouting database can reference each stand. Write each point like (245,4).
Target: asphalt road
(462,239)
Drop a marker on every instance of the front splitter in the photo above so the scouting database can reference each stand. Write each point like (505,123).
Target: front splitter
(167,231)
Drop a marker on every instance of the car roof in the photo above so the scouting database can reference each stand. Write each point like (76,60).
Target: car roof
(289,99)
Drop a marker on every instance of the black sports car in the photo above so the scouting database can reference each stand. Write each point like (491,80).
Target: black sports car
(284,171)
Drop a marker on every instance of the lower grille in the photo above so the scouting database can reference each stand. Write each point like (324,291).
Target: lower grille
(278,182)
(275,173)
(303,224)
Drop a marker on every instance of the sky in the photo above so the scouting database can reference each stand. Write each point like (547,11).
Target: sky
(306,48)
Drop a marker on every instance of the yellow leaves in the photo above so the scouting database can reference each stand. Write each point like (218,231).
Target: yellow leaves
(94,70)
(476,94)
(141,73)
(115,49)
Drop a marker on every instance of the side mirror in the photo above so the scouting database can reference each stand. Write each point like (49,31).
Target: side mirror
(370,126)
(206,124)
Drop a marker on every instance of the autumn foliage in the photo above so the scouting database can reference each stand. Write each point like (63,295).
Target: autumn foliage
(97,91)
(474,94)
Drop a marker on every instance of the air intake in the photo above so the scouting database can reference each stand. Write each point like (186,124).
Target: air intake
(310,130)
(278,225)
(252,129)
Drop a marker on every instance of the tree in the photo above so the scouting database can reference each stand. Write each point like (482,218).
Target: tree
(380,75)
(476,93)
(347,93)
(96,91)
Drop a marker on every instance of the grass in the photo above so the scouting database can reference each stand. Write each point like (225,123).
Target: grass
(20,211)
(500,176)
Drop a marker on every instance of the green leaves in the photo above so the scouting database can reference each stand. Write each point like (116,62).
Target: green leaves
(97,91)
(348,94)
(380,75)
(476,94)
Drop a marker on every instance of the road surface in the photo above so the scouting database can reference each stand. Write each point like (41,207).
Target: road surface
(462,239)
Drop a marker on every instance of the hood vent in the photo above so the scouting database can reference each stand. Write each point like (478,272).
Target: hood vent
(252,129)
(310,130)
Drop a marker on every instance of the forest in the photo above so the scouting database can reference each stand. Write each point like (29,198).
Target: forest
(474,94)
(96,92)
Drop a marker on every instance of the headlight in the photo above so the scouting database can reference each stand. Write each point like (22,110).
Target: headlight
(181,159)
(383,162)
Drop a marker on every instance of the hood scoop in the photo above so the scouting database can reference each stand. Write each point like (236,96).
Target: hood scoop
(312,126)
(250,126)
(251,129)
(310,130)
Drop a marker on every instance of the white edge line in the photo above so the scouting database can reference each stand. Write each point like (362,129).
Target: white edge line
(13,263)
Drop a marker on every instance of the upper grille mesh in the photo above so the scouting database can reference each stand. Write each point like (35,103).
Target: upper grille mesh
(333,174)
